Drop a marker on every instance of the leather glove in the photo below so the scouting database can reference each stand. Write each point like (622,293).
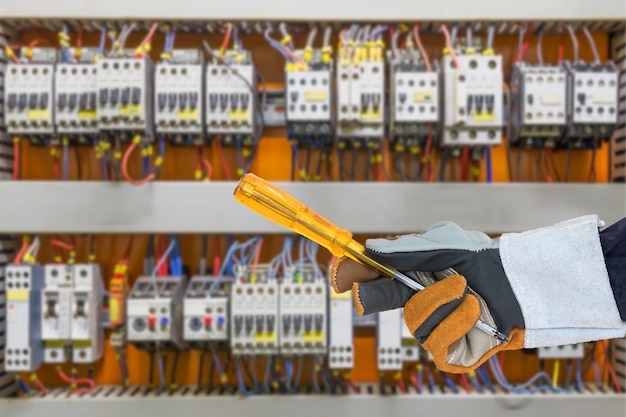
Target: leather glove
(540,288)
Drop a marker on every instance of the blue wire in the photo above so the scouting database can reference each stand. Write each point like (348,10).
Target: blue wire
(65,161)
(420,379)
(64,52)
(23,386)
(158,265)
(482,374)
(229,254)
(266,376)
(316,384)
(524,388)
(161,155)
(596,370)
(476,384)
(103,37)
(371,35)
(277,45)
(239,154)
(160,364)
(579,377)
(242,386)
(449,382)
(235,36)
(488,163)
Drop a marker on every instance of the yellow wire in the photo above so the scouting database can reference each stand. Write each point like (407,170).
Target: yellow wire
(555,373)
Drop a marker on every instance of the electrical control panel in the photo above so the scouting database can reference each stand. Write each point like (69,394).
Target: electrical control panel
(539,97)
(76,91)
(309,96)
(473,97)
(361,100)
(156,315)
(254,318)
(56,311)
(28,98)
(87,333)
(205,311)
(410,347)
(389,340)
(179,96)
(125,97)
(576,351)
(303,319)
(231,94)
(24,347)
(340,331)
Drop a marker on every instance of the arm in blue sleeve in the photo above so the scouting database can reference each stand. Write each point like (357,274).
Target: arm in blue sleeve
(613,241)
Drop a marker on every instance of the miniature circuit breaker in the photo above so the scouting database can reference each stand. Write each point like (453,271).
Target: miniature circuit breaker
(410,347)
(309,97)
(538,108)
(576,351)
(340,331)
(473,100)
(254,318)
(361,99)
(205,311)
(593,100)
(231,98)
(24,348)
(179,97)
(156,316)
(87,333)
(75,96)
(125,97)
(414,97)
(29,95)
(389,340)
(303,320)
(56,312)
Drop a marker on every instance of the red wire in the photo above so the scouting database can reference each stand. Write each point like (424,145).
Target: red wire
(555,171)
(86,381)
(520,55)
(257,255)
(13,56)
(353,387)
(464,160)
(501,359)
(561,41)
(20,254)
(207,165)
(217,263)
(40,386)
(465,383)
(418,42)
(229,29)
(147,40)
(79,42)
(16,158)
(220,152)
(446,35)
(127,177)
(415,381)
(62,245)
(402,387)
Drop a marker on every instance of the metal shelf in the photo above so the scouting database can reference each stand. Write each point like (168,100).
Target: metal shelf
(375,208)
(320,10)
(424,405)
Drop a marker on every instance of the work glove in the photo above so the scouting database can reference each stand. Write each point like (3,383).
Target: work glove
(544,287)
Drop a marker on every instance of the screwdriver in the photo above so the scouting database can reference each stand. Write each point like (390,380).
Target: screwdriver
(278,206)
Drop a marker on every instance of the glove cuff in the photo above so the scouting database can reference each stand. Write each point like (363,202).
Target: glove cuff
(559,278)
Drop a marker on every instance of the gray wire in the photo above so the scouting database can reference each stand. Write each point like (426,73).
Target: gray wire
(490,35)
(468,36)
(453,34)
(161,368)
(539,47)
(327,32)
(592,43)
(520,42)
(283,30)
(411,46)
(394,44)
(311,38)
(574,43)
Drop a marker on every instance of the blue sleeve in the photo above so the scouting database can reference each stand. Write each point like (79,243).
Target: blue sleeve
(613,241)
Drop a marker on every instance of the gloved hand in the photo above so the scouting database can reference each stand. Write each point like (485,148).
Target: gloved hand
(540,288)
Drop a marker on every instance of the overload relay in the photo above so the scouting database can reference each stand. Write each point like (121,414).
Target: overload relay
(179,96)
(29,95)
(125,96)
(205,312)
(473,97)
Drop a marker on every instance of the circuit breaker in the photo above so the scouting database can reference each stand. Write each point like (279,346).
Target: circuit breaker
(538,108)
(254,318)
(389,340)
(24,347)
(361,100)
(303,319)
(29,95)
(309,96)
(179,97)
(593,100)
(473,100)
(410,347)
(231,97)
(576,351)
(340,331)
(76,90)
(414,100)
(205,312)
(87,333)
(156,315)
(56,312)
(125,97)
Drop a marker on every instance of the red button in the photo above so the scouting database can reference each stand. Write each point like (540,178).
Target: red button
(151,320)
(208,320)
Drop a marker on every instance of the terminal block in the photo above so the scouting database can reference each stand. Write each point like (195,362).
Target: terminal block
(75,99)
(340,331)
(309,97)
(254,318)
(389,340)
(179,97)
(231,97)
(125,97)
(24,348)
(155,315)
(29,95)
(87,333)
(410,347)
(538,108)
(473,100)
(576,351)
(593,100)
(303,319)
(414,101)
(56,312)
(361,99)
(205,311)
